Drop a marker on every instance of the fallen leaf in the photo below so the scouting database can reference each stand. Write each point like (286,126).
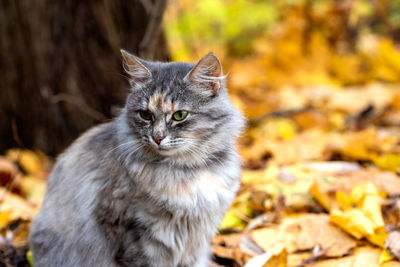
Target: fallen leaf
(353,222)
(279,260)
(389,161)
(379,237)
(302,233)
(386,256)
(20,207)
(32,162)
(259,260)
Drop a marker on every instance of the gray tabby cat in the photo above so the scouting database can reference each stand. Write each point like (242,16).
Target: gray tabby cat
(150,187)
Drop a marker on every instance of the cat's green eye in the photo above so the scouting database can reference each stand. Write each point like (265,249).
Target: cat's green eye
(179,115)
(145,115)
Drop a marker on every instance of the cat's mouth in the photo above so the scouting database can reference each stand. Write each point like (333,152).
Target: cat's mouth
(164,149)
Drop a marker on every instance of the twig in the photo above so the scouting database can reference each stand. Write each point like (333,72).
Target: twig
(317,252)
(75,101)
(152,29)
(15,133)
(279,114)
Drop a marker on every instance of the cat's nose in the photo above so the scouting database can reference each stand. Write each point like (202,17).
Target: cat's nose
(158,139)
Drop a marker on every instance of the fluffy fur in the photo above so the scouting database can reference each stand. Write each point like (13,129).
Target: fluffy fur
(117,198)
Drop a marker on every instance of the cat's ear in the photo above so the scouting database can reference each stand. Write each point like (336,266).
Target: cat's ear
(137,71)
(208,72)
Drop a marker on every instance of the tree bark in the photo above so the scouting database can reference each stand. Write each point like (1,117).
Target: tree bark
(60,65)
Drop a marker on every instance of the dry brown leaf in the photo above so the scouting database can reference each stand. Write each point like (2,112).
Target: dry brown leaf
(296,259)
(304,233)
(351,100)
(230,247)
(271,239)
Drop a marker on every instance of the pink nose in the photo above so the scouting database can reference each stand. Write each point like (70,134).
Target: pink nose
(158,139)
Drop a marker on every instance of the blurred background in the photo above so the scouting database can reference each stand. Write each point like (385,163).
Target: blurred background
(318,80)
(61,71)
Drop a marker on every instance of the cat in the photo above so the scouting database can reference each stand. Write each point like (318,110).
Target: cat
(149,188)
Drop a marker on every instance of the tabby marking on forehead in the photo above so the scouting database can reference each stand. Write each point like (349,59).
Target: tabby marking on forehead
(159,102)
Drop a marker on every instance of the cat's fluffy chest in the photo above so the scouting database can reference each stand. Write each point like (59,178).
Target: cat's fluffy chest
(182,189)
(195,205)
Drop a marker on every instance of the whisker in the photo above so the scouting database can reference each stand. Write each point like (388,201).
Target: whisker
(120,145)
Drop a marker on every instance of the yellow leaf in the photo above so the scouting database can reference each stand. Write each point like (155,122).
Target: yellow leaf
(279,260)
(286,129)
(5,217)
(231,220)
(353,221)
(388,161)
(239,210)
(366,196)
(321,198)
(360,191)
(31,161)
(379,237)
(372,210)
(253,176)
(33,188)
(385,256)
(29,257)
(337,120)
(344,200)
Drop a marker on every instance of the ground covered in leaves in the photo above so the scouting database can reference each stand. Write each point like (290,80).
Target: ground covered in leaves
(320,184)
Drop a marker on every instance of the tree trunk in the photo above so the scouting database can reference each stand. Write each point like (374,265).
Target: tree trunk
(60,65)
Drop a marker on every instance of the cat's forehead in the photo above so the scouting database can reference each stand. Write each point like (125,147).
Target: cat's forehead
(167,74)
(159,102)
(167,91)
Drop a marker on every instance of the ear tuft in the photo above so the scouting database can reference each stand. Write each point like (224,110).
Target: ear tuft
(208,71)
(137,71)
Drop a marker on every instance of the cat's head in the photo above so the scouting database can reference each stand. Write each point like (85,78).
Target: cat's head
(180,110)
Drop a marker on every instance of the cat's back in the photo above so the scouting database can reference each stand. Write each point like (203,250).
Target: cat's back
(75,179)
(71,196)
(85,156)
